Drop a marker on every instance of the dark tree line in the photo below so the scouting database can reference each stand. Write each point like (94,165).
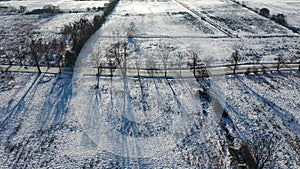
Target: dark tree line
(80,31)
(42,52)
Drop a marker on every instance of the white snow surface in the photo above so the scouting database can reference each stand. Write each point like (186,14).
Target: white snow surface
(64,121)
(63,4)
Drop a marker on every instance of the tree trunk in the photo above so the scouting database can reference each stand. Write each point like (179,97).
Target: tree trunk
(234,67)
(59,62)
(20,59)
(180,71)
(111,72)
(98,81)
(47,60)
(38,67)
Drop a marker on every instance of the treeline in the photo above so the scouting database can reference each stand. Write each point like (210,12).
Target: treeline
(56,52)
(80,31)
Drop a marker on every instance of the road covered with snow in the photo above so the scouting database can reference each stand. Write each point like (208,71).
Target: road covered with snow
(88,121)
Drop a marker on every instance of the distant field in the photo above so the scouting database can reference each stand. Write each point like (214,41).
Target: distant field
(290,8)
(16,29)
(63,4)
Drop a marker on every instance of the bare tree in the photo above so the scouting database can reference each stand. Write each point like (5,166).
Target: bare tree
(138,64)
(46,51)
(112,66)
(9,55)
(20,54)
(35,49)
(131,31)
(202,71)
(280,61)
(235,58)
(180,56)
(296,59)
(125,55)
(164,52)
(151,64)
(194,56)
(98,61)
(119,52)
(263,149)
(60,50)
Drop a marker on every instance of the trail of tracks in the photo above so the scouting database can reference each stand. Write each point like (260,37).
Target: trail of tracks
(206,19)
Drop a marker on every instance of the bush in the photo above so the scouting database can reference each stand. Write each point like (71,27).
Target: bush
(48,9)
(280,19)
(264,12)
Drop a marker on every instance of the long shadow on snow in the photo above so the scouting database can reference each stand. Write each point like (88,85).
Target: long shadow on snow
(20,106)
(281,113)
(167,108)
(10,103)
(291,80)
(271,76)
(132,128)
(128,109)
(179,104)
(234,117)
(144,101)
(56,105)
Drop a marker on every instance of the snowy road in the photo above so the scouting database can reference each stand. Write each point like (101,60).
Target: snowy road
(158,73)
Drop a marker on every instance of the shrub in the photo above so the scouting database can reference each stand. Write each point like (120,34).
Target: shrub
(264,12)
(280,19)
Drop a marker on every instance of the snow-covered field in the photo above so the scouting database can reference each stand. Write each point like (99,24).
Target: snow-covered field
(87,121)
(17,29)
(290,8)
(66,5)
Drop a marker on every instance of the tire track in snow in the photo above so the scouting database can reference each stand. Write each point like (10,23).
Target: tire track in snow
(206,19)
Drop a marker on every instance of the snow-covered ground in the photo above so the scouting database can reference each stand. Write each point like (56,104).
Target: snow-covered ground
(88,121)
(66,5)
(266,103)
(17,29)
(290,8)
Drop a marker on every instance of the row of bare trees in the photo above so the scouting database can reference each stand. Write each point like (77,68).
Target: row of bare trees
(51,52)
(236,58)
(40,51)
(116,56)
